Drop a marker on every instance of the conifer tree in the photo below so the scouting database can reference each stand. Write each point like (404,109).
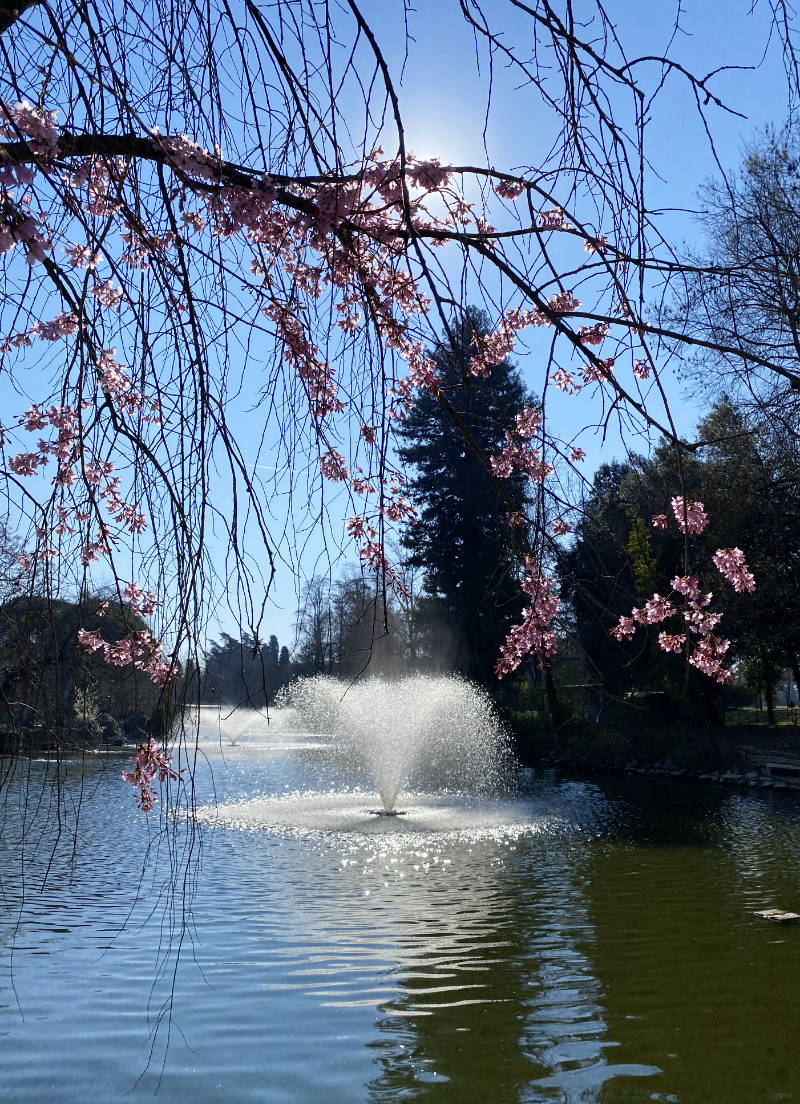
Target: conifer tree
(461,540)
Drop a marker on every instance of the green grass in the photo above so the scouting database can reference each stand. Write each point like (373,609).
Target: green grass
(750,715)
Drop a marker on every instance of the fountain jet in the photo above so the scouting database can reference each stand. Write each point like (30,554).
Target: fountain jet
(425,732)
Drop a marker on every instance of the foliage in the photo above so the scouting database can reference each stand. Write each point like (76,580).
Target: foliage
(459,539)
(744,292)
(244,672)
(344,627)
(48,680)
(750,489)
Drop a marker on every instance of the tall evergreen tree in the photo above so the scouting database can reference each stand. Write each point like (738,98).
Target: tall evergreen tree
(462,541)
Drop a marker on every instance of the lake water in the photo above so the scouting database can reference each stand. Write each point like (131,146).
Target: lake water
(583,942)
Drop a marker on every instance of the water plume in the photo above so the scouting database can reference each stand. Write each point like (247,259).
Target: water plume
(421,732)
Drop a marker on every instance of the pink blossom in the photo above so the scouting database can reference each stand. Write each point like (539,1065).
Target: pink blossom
(187,156)
(593,335)
(687,585)
(624,629)
(596,245)
(509,189)
(564,302)
(706,651)
(431,175)
(38,127)
(534,635)
(660,521)
(399,509)
(731,563)
(577,454)
(517,457)
(141,601)
(565,381)
(81,256)
(90,641)
(597,372)
(671,643)
(658,609)
(357,528)
(149,763)
(708,657)
(193,220)
(528,422)
(26,463)
(561,527)
(332,466)
(553,219)
(691,516)
(107,294)
(64,324)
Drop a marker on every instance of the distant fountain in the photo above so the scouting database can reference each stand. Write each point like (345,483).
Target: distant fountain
(226,721)
(422,732)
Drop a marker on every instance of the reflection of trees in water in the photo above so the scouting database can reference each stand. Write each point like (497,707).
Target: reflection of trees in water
(481,967)
(496,990)
(692,982)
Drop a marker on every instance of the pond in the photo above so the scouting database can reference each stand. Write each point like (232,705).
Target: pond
(583,941)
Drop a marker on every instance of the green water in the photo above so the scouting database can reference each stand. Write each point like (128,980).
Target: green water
(585,942)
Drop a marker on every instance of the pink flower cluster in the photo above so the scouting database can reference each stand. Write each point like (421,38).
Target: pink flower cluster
(65,324)
(497,346)
(333,467)
(372,554)
(187,157)
(553,219)
(535,634)
(142,602)
(137,649)
(509,189)
(101,179)
(730,562)
(707,651)
(691,516)
(148,764)
(518,455)
(593,335)
(596,245)
(37,128)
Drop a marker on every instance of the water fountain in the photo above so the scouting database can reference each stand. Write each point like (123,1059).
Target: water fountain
(405,759)
(430,733)
(225,721)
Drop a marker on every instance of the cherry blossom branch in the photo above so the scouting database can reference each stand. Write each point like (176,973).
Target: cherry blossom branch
(703,648)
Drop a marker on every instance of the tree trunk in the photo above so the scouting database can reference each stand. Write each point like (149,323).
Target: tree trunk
(769,694)
(796,674)
(553,704)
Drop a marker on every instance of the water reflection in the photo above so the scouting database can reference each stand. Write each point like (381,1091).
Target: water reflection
(587,943)
(473,945)
(693,983)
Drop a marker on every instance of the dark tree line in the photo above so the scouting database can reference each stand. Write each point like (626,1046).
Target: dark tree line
(52,688)
(750,485)
(244,672)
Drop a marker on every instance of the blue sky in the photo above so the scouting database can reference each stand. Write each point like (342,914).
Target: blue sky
(444,104)
(443,80)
